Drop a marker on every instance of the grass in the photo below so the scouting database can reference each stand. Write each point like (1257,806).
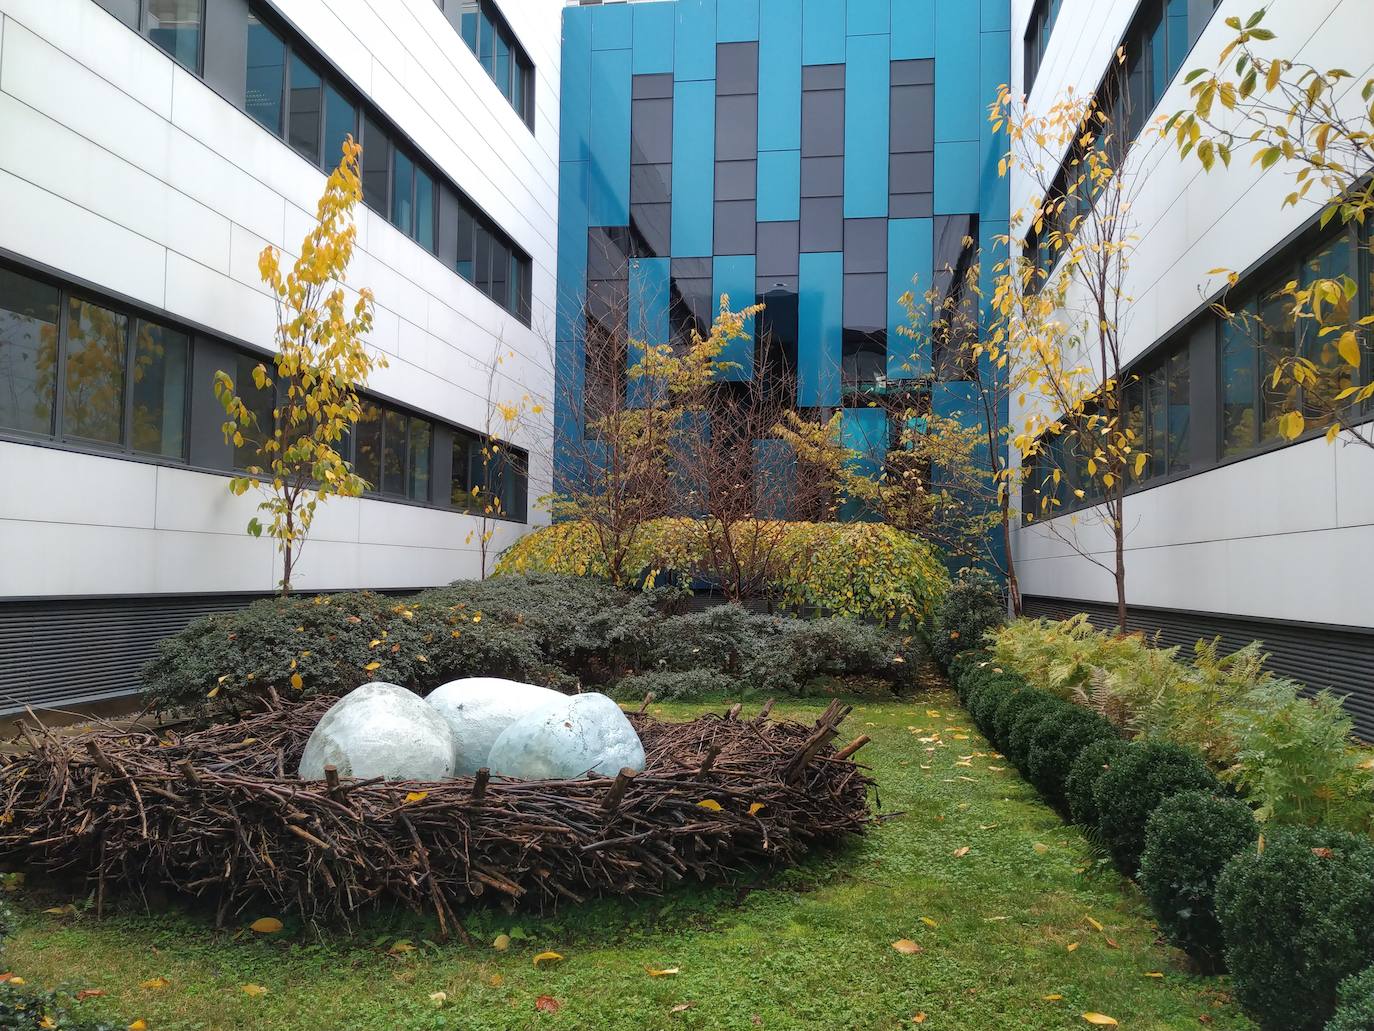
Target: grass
(806,948)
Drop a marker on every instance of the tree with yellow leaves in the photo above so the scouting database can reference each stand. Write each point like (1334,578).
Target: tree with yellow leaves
(321,363)
(1316,122)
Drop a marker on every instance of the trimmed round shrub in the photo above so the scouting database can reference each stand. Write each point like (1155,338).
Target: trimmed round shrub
(1189,839)
(973,605)
(1011,710)
(1017,746)
(1134,785)
(1080,786)
(675,685)
(1297,919)
(988,697)
(1058,740)
(1356,1009)
(964,663)
(974,678)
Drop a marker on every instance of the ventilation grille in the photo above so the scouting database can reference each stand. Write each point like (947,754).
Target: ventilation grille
(63,652)
(1314,655)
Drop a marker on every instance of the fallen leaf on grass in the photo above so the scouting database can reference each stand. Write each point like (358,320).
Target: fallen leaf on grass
(996,769)
(1040,848)
(1072,947)
(961,851)
(1053,997)
(1093,923)
(153,984)
(1111,943)
(920,1018)
(907,947)
(681,1007)
(496,980)
(929,922)
(986,826)
(1100,1019)
(265,925)
(400,948)
(547,1004)
(438,998)
(665,972)
(139,1025)
(502,943)
(254,990)
(67,910)
(547,957)
(89,993)
(1153,973)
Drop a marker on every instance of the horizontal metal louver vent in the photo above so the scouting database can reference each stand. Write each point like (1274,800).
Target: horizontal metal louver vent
(63,652)
(1314,655)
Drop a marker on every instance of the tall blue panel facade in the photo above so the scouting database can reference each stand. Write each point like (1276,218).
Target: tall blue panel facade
(813,155)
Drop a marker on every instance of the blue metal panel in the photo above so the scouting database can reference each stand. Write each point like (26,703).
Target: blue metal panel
(575,99)
(823,31)
(820,306)
(910,242)
(956,177)
(865,430)
(734,275)
(572,278)
(913,31)
(609,201)
(648,293)
(694,150)
(867,17)
(867,92)
(737,21)
(779,187)
(694,40)
(996,16)
(994,69)
(653,38)
(611,27)
(780,75)
(958,107)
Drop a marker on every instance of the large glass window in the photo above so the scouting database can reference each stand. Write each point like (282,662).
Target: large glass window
(1275,345)
(403,192)
(340,122)
(260,401)
(1180,411)
(175,26)
(266,75)
(394,452)
(487,35)
(161,359)
(424,209)
(125,10)
(367,438)
(93,389)
(376,164)
(306,102)
(1334,261)
(28,353)
(1238,382)
(421,441)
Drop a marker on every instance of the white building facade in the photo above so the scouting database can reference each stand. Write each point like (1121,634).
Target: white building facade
(1235,532)
(152,149)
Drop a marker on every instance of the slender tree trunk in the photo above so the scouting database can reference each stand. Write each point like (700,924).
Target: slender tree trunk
(1013,584)
(1120,570)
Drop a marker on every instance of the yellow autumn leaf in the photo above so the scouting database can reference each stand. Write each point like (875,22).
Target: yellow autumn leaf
(1101,1019)
(153,984)
(438,998)
(1349,348)
(754,808)
(296,682)
(213,691)
(920,1018)
(1071,947)
(1040,848)
(1053,997)
(960,852)
(929,922)
(1093,923)
(139,1025)
(907,947)
(416,796)
(265,925)
(496,980)
(710,803)
(372,665)
(254,990)
(501,943)
(665,972)
(401,947)
(1154,973)
(547,957)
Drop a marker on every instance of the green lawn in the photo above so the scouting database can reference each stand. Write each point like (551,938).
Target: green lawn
(806,948)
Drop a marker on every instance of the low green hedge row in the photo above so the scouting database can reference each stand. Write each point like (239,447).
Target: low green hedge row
(1292,917)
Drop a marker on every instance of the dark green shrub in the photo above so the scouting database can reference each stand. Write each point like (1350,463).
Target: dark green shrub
(1080,786)
(1011,710)
(1138,780)
(973,605)
(1055,745)
(1188,841)
(1017,745)
(676,685)
(803,649)
(727,638)
(1297,919)
(1356,1010)
(963,663)
(988,697)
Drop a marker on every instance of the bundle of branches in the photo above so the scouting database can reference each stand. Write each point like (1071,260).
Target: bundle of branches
(218,813)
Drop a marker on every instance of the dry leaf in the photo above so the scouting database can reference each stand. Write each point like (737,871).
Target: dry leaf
(1153,973)
(681,1007)
(920,1018)
(710,803)
(254,990)
(1072,947)
(547,957)
(496,980)
(665,972)
(416,796)
(153,984)
(139,1025)
(372,666)
(907,947)
(960,852)
(1054,997)
(547,1004)
(89,993)
(297,682)
(1100,1019)
(1040,848)
(265,925)
(754,808)
(400,947)
(929,922)
(1093,923)
(502,943)
(438,998)
(1111,943)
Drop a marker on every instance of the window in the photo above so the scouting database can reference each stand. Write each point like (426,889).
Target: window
(28,353)
(266,77)
(484,30)
(260,401)
(175,26)
(393,451)
(1038,30)
(490,478)
(376,164)
(1238,383)
(340,122)
(403,193)
(306,110)
(162,359)
(93,384)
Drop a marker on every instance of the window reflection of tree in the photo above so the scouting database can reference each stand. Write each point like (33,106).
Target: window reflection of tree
(28,353)
(93,402)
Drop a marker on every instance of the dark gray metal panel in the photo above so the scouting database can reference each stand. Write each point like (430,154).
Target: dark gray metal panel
(1340,659)
(226,48)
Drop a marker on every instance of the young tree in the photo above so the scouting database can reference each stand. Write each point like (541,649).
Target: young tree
(320,364)
(1060,303)
(1318,124)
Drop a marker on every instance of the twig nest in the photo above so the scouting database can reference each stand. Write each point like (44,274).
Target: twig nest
(380,730)
(580,734)
(478,709)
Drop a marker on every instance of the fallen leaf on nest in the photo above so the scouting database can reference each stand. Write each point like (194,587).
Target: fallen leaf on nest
(710,803)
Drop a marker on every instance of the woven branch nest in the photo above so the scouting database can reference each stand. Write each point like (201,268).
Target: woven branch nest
(218,814)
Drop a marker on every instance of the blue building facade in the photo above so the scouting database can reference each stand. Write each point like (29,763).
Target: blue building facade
(816,156)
